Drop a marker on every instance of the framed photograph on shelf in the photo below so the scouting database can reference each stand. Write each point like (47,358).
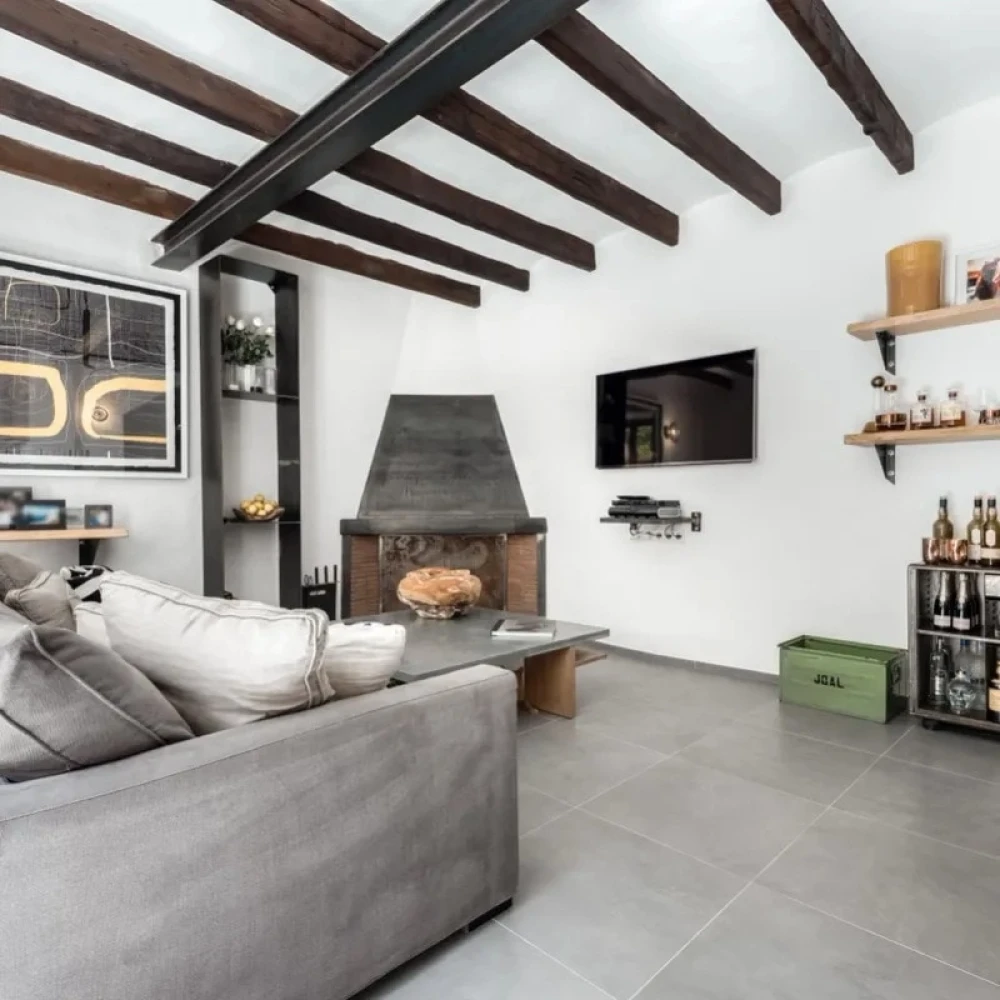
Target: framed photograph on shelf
(12,499)
(977,274)
(42,515)
(98,515)
(93,373)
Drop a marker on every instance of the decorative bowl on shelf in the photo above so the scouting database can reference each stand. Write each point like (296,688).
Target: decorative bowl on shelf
(438,592)
(242,515)
(258,508)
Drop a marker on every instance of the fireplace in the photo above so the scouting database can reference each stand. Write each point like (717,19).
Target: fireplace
(443,491)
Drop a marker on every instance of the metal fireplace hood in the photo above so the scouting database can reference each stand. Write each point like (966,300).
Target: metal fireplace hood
(443,466)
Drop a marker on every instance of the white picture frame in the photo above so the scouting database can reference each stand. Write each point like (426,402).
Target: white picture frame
(965,264)
(38,344)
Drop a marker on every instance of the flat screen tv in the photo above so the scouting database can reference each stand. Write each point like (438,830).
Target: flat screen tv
(685,413)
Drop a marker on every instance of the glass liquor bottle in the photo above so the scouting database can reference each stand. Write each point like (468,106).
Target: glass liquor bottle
(878,404)
(993,693)
(943,530)
(953,410)
(961,611)
(922,412)
(974,533)
(896,416)
(977,674)
(961,690)
(940,675)
(943,603)
(990,554)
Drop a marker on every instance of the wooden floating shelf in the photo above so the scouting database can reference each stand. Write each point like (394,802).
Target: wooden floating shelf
(63,535)
(924,322)
(936,435)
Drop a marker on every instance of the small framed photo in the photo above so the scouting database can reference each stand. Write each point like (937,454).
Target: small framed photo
(977,275)
(41,515)
(11,501)
(98,515)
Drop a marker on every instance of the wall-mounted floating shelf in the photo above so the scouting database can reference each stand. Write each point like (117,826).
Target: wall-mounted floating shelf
(884,332)
(656,527)
(89,538)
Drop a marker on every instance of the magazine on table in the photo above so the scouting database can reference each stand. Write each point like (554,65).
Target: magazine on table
(518,628)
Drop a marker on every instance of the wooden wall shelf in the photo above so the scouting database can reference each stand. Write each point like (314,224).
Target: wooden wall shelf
(937,435)
(89,538)
(925,322)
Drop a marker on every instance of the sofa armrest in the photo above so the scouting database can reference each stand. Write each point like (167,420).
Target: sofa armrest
(301,856)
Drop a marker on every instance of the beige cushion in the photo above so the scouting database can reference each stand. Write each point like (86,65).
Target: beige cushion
(89,617)
(66,703)
(11,624)
(47,600)
(361,658)
(16,572)
(221,663)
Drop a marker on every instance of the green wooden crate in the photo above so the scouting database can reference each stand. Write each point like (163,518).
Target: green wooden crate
(849,678)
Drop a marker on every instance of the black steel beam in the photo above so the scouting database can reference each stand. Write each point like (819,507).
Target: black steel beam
(445,49)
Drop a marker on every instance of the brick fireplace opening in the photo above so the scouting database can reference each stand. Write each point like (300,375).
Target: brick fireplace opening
(443,491)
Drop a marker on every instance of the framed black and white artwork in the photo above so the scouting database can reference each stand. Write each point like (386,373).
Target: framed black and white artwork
(93,373)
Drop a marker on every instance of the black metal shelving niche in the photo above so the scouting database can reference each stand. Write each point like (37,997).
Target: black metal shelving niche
(285,287)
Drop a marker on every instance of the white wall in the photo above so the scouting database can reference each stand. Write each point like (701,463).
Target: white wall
(810,538)
(351,331)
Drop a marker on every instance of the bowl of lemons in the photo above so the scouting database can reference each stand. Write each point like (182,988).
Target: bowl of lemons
(259,508)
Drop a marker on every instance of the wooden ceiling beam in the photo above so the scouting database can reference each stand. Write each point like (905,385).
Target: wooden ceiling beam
(825,42)
(61,118)
(92,181)
(103,47)
(605,65)
(322,31)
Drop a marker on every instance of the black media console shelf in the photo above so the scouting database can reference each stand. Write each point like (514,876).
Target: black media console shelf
(660,527)
(285,287)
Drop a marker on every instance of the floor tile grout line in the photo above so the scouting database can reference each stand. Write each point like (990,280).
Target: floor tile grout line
(552,958)
(944,770)
(815,739)
(534,788)
(881,937)
(915,833)
(766,868)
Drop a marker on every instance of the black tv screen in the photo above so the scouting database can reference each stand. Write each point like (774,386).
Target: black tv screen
(679,414)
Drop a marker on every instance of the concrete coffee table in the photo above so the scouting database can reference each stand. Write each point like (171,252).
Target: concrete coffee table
(438,647)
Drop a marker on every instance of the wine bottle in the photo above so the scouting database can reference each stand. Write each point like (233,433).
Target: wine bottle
(990,554)
(943,603)
(943,529)
(974,533)
(961,612)
(993,691)
(940,675)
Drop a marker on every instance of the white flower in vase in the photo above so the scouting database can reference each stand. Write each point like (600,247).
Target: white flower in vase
(269,332)
(257,322)
(240,325)
(230,321)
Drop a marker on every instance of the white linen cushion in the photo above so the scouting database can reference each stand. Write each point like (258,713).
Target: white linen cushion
(47,600)
(90,623)
(361,658)
(221,663)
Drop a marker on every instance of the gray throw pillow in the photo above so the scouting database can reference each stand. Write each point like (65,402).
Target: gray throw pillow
(47,600)
(67,703)
(10,624)
(15,572)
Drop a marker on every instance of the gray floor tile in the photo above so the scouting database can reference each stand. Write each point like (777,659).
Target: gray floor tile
(662,729)
(842,729)
(573,766)
(941,900)
(781,760)
(526,720)
(609,904)
(489,964)
(535,808)
(719,818)
(768,947)
(951,807)
(964,753)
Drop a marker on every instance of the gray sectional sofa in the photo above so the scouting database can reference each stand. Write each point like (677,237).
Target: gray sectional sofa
(298,858)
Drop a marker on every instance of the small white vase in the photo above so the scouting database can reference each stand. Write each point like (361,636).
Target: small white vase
(248,377)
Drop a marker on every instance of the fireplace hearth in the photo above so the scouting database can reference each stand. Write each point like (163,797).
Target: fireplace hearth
(443,491)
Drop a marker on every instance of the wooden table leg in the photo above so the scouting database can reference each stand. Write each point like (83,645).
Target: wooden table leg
(550,682)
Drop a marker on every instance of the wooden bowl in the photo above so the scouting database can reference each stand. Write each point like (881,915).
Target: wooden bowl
(242,515)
